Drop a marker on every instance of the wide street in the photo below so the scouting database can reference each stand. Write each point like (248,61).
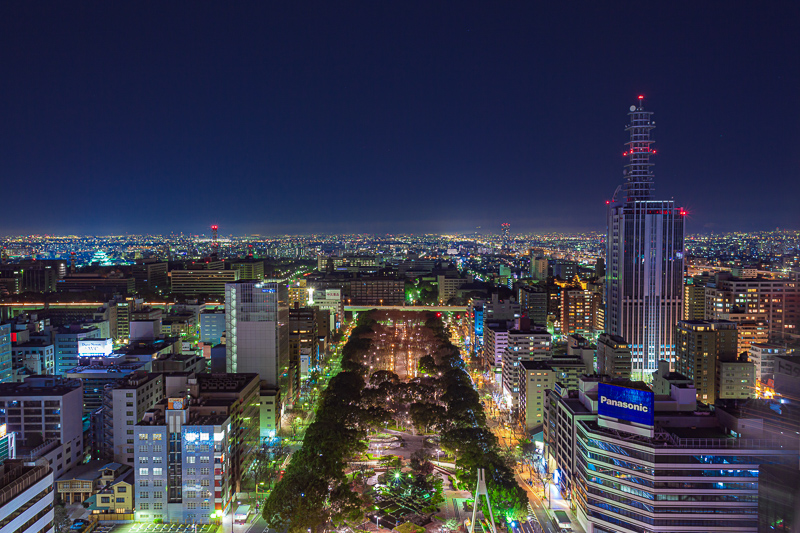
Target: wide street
(498,418)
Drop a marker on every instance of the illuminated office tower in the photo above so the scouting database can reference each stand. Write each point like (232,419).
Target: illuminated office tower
(257,327)
(644,250)
(257,331)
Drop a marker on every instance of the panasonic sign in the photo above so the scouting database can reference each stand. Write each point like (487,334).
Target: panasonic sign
(622,403)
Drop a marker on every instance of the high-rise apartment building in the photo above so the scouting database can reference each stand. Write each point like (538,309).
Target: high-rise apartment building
(538,267)
(701,346)
(298,292)
(303,345)
(533,303)
(257,334)
(123,406)
(578,310)
(613,356)
(763,358)
(523,343)
(644,250)
(498,309)
(495,341)
(535,377)
(505,237)
(776,301)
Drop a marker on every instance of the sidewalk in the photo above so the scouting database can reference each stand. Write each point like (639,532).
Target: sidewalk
(538,498)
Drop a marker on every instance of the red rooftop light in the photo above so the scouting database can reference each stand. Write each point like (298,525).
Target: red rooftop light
(641,97)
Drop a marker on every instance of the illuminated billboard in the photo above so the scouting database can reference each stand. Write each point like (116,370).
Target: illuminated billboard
(633,405)
(95,347)
(176,403)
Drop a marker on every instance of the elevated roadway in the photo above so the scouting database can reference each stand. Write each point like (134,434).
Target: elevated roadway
(434,308)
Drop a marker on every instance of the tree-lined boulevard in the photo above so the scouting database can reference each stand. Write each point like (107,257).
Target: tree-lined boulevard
(342,476)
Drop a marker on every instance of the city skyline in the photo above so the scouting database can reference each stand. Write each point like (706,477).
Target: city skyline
(377,267)
(426,130)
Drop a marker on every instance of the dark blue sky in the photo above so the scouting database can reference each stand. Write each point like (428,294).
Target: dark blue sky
(274,117)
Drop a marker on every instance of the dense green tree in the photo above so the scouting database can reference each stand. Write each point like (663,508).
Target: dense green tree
(427,365)
(426,416)
(381,376)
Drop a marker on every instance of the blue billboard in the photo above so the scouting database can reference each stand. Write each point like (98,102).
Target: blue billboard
(633,405)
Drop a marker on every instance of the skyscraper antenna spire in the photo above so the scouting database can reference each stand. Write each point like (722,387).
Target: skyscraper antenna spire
(637,172)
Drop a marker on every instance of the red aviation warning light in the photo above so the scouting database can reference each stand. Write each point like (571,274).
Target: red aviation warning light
(608,202)
(641,97)
(682,213)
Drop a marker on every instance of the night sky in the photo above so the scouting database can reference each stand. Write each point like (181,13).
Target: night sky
(344,116)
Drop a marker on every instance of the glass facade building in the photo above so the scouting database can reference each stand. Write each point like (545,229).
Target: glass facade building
(669,483)
(644,257)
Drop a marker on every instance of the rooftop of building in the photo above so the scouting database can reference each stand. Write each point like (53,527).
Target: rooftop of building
(17,475)
(209,383)
(561,360)
(535,365)
(91,470)
(533,329)
(576,406)
(115,368)
(765,345)
(178,357)
(138,378)
(616,339)
(156,418)
(75,328)
(39,386)
(697,432)
(699,438)
(707,323)
(35,343)
(760,408)
(629,384)
(149,346)
(675,376)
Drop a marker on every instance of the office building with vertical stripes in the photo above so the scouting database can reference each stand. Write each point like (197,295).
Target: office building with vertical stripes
(644,249)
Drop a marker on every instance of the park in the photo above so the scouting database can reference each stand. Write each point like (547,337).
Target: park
(395,431)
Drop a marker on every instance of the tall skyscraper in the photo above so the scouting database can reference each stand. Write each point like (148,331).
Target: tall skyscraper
(644,251)
(257,329)
(505,227)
